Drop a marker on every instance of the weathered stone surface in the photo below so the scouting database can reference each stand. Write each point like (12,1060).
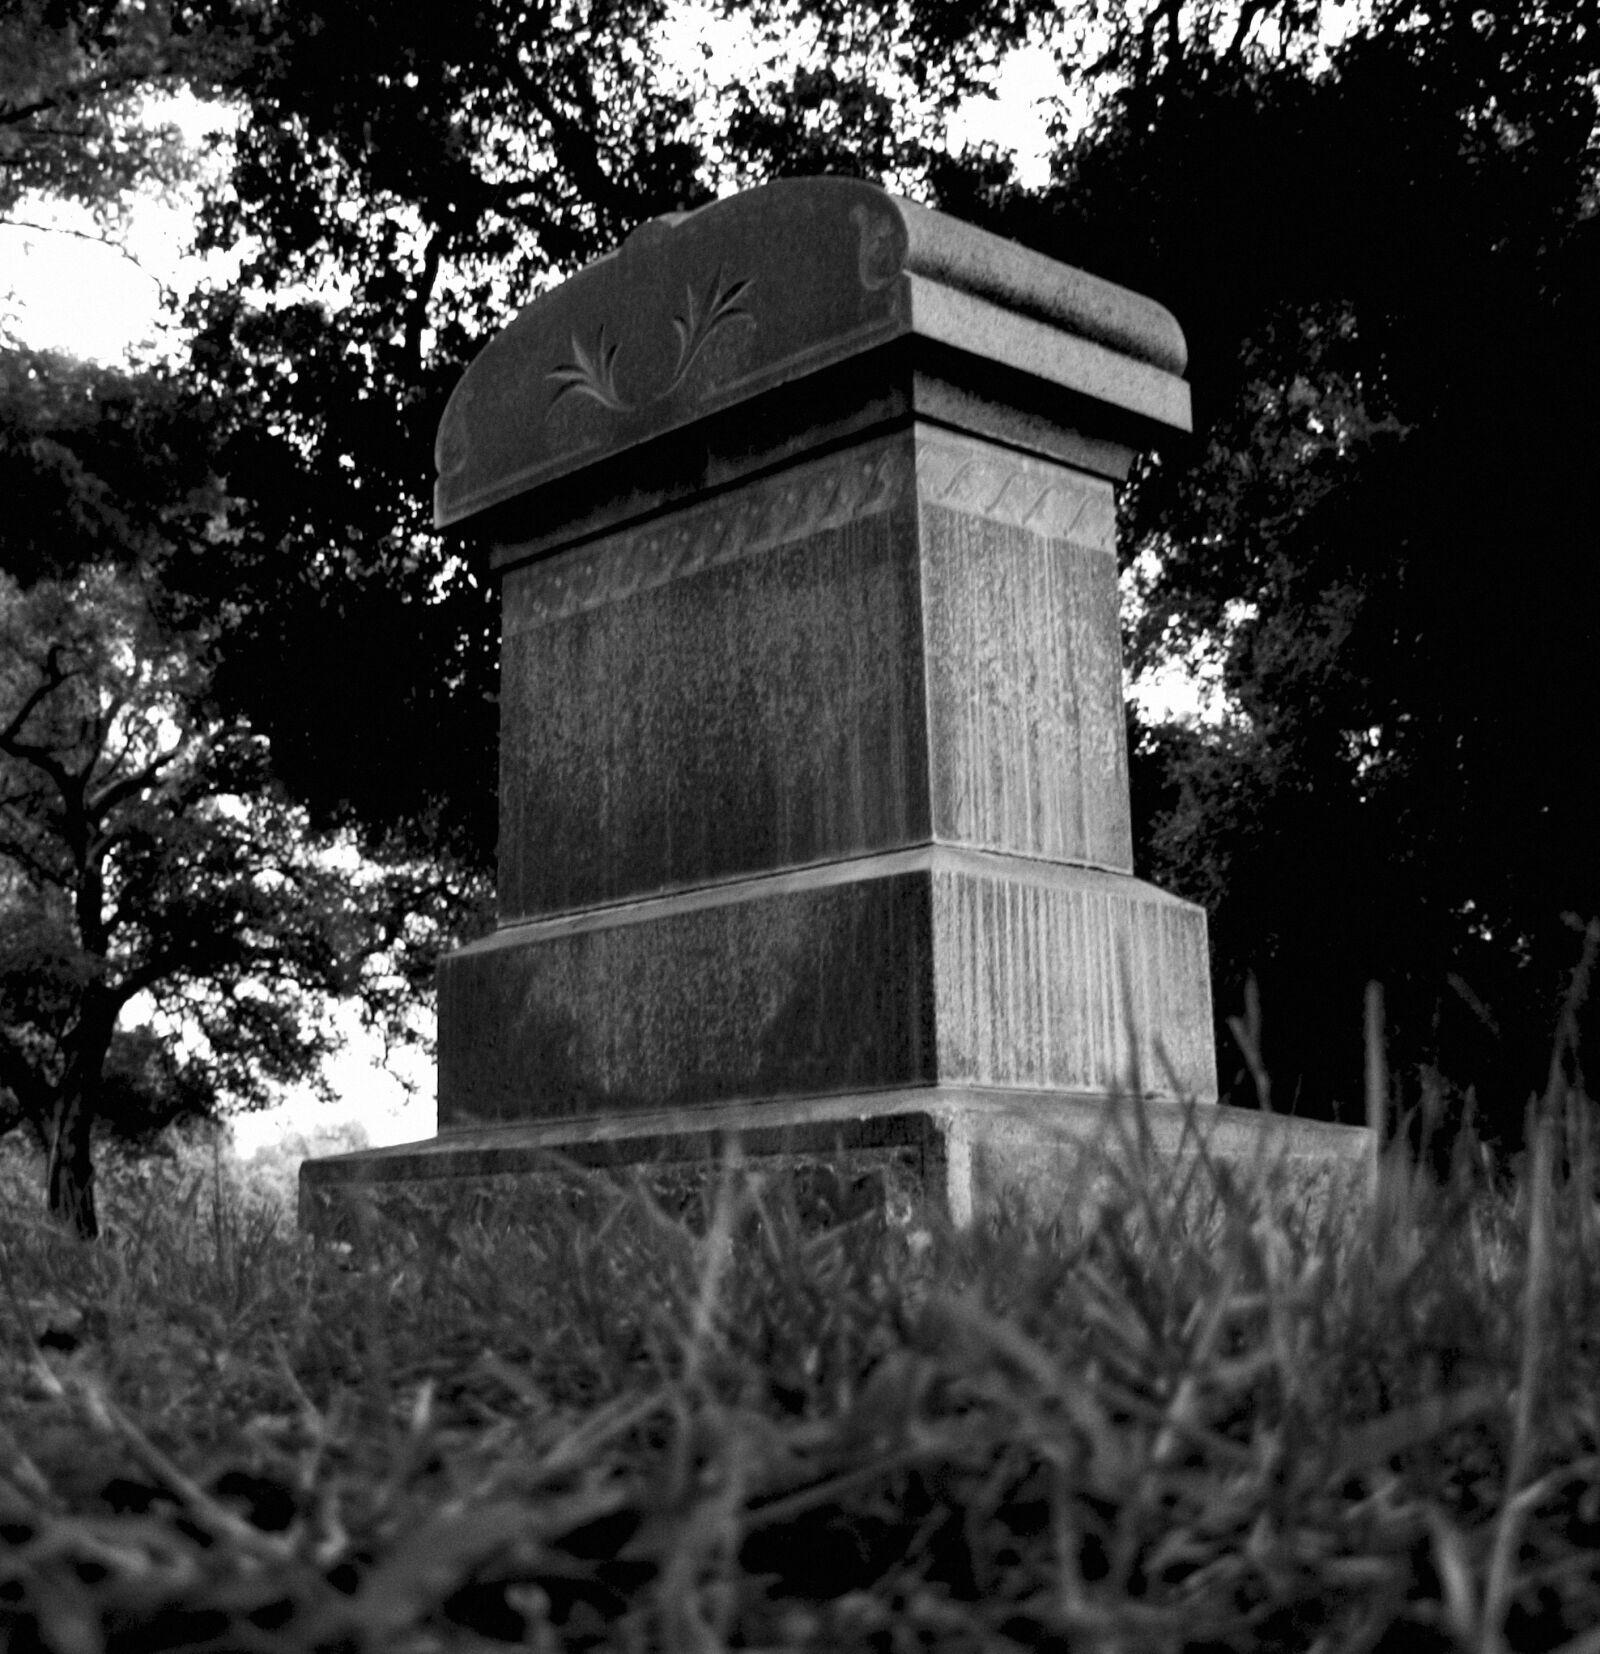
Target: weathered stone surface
(705,311)
(1023,652)
(819,982)
(1053,977)
(961,1149)
(1065,1158)
(925,967)
(734,689)
(914,639)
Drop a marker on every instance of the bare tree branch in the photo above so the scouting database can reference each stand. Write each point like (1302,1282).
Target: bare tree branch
(54,677)
(169,293)
(417,309)
(108,798)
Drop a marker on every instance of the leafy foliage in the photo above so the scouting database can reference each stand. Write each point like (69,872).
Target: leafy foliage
(401,180)
(1382,248)
(170,930)
(101,466)
(73,78)
(1386,268)
(146,861)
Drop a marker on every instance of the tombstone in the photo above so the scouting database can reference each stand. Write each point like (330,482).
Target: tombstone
(814,819)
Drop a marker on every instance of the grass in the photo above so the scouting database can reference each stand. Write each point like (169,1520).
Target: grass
(1223,1422)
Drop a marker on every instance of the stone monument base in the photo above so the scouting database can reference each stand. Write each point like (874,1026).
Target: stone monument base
(966,1152)
(815,828)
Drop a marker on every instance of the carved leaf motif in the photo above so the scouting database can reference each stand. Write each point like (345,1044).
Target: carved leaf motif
(700,320)
(592,371)
(592,374)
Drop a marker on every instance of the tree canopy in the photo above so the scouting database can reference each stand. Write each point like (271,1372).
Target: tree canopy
(1389,271)
(171,930)
(1382,248)
(141,857)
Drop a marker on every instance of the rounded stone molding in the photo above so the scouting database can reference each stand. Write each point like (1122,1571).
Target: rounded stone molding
(698,312)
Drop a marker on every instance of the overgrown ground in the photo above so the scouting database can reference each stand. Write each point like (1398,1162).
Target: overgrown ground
(1223,1423)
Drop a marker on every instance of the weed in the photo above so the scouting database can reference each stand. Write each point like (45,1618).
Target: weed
(1223,1415)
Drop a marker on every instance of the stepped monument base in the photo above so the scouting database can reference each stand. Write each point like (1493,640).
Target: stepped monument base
(814,794)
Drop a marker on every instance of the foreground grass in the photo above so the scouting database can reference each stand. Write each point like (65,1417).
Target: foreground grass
(1217,1422)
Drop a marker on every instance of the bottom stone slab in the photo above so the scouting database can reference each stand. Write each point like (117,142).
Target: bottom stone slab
(964,1151)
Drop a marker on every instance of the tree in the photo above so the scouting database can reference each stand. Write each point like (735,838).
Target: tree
(1383,253)
(75,77)
(204,976)
(434,170)
(125,868)
(430,167)
(1387,269)
(150,869)
(171,930)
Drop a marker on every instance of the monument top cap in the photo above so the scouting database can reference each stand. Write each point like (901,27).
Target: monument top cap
(696,312)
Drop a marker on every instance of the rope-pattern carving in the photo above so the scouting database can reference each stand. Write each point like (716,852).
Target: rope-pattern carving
(980,480)
(776,511)
(1042,497)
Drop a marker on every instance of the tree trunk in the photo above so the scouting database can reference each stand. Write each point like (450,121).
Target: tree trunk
(70,1172)
(69,1176)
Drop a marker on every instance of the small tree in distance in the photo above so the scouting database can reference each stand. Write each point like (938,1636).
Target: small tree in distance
(148,863)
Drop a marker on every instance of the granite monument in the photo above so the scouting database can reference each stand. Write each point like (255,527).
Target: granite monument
(813,779)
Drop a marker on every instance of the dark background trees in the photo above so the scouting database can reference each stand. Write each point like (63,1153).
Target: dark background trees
(1382,250)
(144,858)
(172,930)
(1389,273)
(434,169)
(173,924)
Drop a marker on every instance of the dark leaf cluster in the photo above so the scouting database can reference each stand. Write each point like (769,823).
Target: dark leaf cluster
(1387,265)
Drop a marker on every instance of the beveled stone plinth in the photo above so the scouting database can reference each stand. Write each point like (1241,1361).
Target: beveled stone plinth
(924,967)
(814,792)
